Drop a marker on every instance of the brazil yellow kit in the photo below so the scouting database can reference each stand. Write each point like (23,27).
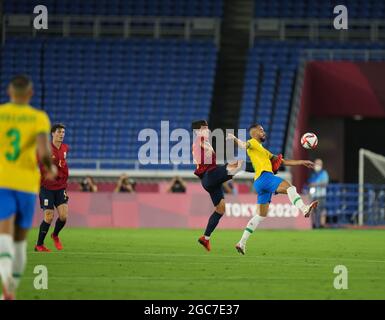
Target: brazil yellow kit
(260,157)
(19,127)
(265,182)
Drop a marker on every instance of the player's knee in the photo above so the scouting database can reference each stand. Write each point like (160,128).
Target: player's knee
(48,217)
(63,217)
(284,185)
(63,212)
(221,207)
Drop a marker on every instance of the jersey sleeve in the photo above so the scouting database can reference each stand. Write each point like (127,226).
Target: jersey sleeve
(43,123)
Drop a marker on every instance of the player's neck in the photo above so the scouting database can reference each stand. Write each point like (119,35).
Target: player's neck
(57,144)
(20,102)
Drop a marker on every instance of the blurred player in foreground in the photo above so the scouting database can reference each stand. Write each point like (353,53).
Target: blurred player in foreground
(266,183)
(212,176)
(53,193)
(23,131)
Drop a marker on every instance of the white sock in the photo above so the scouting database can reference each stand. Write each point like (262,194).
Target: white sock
(295,198)
(6,257)
(19,262)
(251,226)
(207,238)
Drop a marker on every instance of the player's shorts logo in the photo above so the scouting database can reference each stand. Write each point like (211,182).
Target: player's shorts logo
(46,202)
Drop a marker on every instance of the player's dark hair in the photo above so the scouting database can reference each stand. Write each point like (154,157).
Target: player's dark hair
(198,124)
(21,82)
(57,126)
(254,126)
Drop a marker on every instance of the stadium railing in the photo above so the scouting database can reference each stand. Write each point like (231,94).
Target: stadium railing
(316,29)
(123,27)
(97,168)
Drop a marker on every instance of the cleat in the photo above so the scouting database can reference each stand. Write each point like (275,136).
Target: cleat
(241,249)
(310,208)
(57,242)
(205,243)
(42,248)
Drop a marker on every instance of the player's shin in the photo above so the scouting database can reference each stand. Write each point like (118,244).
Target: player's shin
(59,225)
(212,224)
(19,262)
(6,257)
(44,227)
(296,199)
(250,228)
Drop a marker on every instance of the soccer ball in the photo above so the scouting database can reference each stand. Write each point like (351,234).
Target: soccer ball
(309,140)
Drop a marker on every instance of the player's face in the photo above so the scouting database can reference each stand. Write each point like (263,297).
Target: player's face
(258,133)
(261,133)
(58,135)
(204,131)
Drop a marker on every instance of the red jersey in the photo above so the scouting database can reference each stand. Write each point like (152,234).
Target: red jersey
(59,157)
(205,159)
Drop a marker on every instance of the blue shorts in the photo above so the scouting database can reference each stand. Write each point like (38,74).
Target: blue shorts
(265,186)
(212,182)
(21,204)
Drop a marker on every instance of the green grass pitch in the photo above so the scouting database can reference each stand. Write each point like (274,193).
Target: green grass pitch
(169,264)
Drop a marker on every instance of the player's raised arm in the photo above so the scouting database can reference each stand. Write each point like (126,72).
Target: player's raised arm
(239,142)
(306,163)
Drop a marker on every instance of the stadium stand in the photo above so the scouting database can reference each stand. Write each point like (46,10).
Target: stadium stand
(181,8)
(105,91)
(270,78)
(342,204)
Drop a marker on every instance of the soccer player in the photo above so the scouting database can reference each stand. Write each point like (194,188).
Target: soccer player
(53,193)
(266,183)
(23,131)
(212,176)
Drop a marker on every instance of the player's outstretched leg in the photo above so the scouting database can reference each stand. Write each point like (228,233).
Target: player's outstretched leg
(235,167)
(44,227)
(291,191)
(251,226)
(59,225)
(212,224)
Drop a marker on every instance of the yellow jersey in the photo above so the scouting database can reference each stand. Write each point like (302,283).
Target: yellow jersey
(259,156)
(19,127)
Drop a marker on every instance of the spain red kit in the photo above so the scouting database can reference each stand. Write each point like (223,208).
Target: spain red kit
(59,159)
(205,158)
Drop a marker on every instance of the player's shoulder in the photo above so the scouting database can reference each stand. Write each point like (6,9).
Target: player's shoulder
(65,146)
(4,106)
(253,143)
(40,113)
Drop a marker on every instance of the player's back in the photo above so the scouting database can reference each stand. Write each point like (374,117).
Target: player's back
(19,127)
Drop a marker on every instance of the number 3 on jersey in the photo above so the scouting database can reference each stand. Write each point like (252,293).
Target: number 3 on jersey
(15,143)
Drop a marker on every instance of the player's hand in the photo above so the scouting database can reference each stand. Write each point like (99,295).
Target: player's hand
(308,164)
(51,173)
(230,136)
